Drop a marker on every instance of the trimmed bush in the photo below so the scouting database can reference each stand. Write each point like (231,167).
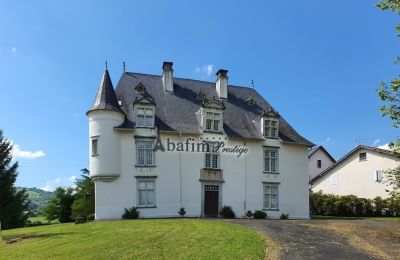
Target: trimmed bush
(131,213)
(259,214)
(351,206)
(227,212)
(284,216)
(249,214)
(182,212)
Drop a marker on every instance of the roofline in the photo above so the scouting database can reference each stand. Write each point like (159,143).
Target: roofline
(325,151)
(374,149)
(209,82)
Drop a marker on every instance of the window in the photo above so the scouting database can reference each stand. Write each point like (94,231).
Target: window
(95,146)
(271,128)
(333,179)
(271,196)
(319,163)
(145,117)
(271,160)
(146,193)
(212,158)
(213,121)
(378,176)
(362,156)
(144,152)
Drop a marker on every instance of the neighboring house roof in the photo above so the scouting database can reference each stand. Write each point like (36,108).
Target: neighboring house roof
(359,147)
(105,97)
(176,111)
(314,149)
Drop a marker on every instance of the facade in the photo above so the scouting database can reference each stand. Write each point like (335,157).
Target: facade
(160,143)
(318,160)
(359,173)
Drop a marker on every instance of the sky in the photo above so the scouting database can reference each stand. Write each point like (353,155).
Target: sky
(317,62)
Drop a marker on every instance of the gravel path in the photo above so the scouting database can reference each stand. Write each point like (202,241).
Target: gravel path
(309,240)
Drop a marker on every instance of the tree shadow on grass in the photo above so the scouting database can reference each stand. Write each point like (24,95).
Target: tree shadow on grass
(16,239)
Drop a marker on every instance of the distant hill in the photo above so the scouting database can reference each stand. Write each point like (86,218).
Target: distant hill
(37,198)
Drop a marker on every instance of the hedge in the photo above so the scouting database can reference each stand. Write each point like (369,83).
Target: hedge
(352,206)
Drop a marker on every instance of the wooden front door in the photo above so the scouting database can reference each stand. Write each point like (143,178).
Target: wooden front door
(211,197)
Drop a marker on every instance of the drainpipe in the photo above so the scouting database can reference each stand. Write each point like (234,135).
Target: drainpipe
(180,173)
(245,180)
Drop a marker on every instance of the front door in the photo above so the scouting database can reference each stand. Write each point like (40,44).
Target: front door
(211,196)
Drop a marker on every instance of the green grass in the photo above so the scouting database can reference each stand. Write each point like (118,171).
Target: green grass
(388,219)
(144,239)
(42,220)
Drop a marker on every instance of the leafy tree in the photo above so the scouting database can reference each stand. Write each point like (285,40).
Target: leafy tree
(13,203)
(59,207)
(390,95)
(83,205)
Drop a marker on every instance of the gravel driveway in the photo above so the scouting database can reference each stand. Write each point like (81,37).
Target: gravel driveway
(330,239)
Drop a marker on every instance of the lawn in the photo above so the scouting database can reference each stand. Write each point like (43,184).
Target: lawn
(145,239)
(42,220)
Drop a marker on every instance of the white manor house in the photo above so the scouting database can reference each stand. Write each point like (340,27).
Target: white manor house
(160,143)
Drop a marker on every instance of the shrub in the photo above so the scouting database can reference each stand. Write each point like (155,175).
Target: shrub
(90,217)
(284,216)
(259,214)
(131,213)
(227,212)
(249,214)
(182,212)
(379,206)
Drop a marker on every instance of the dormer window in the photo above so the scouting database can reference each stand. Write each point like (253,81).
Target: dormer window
(213,121)
(271,128)
(145,117)
(270,124)
(140,88)
(251,101)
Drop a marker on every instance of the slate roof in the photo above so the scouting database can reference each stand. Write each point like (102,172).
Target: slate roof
(359,147)
(105,98)
(314,149)
(176,111)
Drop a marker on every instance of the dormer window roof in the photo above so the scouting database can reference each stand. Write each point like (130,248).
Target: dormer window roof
(200,95)
(140,88)
(251,101)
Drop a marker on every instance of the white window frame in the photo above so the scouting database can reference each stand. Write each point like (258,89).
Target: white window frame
(268,188)
(147,150)
(379,175)
(271,125)
(212,159)
(269,158)
(213,121)
(94,140)
(146,190)
(147,115)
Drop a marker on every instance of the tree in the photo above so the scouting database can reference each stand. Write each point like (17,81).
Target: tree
(59,207)
(390,95)
(13,203)
(83,205)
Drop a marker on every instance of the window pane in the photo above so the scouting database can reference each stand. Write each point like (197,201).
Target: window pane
(149,157)
(140,111)
(216,125)
(216,116)
(208,124)
(94,146)
(273,123)
(142,198)
(149,121)
(140,120)
(150,198)
(208,160)
(266,201)
(150,185)
(209,115)
(215,161)
(273,165)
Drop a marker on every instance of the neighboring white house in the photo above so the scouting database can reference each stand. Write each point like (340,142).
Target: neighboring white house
(160,143)
(318,160)
(359,173)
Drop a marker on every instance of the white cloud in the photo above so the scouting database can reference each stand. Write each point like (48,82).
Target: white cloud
(51,185)
(14,50)
(17,152)
(377,141)
(385,146)
(205,70)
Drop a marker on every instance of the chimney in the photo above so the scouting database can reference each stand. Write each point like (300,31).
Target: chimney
(167,77)
(222,83)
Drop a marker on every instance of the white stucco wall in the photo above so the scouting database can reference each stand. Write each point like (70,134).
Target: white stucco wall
(313,169)
(357,177)
(177,179)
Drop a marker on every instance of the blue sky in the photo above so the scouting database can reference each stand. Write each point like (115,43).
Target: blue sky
(318,63)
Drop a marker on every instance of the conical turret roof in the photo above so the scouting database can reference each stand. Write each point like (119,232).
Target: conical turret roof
(106,99)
